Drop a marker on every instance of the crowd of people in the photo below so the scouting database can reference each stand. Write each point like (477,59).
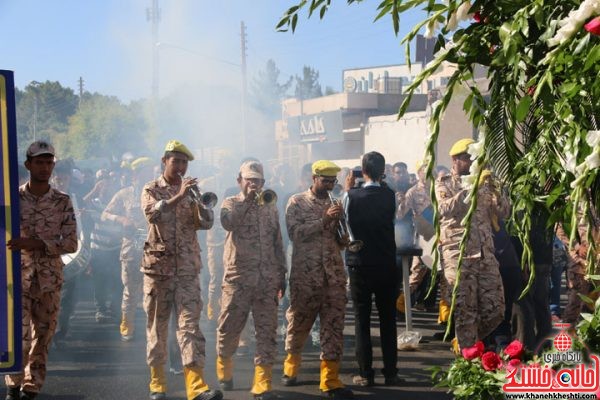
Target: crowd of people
(310,241)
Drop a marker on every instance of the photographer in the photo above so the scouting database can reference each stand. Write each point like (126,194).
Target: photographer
(370,213)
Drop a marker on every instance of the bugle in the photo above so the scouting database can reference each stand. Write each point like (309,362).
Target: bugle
(343,230)
(207,199)
(266,197)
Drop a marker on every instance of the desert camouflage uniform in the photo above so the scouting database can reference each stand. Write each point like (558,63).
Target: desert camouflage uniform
(417,199)
(171,264)
(254,270)
(317,277)
(126,203)
(50,218)
(577,269)
(480,297)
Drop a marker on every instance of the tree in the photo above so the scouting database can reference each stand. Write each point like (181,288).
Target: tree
(307,86)
(266,92)
(43,110)
(103,127)
(538,117)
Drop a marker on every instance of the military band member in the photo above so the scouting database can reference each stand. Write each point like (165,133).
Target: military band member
(480,298)
(254,278)
(171,264)
(125,209)
(317,279)
(48,230)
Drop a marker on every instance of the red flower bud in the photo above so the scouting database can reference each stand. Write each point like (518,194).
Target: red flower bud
(477,16)
(491,361)
(513,364)
(514,349)
(474,351)
(593,26)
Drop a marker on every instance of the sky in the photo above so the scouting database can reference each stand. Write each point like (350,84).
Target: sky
(109,42)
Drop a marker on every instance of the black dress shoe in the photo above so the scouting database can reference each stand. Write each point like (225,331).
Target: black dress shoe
(28,395)
(13,393)
(339,394)
(158,396)
(210,395)
(226,385)
(394,381)
(289,380)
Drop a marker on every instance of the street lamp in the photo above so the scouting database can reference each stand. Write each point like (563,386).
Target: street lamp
(35,86)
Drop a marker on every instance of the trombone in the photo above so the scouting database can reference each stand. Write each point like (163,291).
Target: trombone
(343,229)
(266,197)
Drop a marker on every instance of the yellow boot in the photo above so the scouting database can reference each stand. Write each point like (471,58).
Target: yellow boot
(225,372)
(126,328)
(291,368)
(158,379)
(194,381)
(444,312)
(263,375)
(330,379)
(400,303)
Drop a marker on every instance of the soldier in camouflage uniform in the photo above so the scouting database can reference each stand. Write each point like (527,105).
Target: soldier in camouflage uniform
(48,230)
(480,298)
(125,209)
(317,279)
(254,278)
(171,264)
(577,282)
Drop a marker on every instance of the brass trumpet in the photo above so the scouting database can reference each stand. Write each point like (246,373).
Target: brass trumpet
(343,230)
(207,199)
(266,197)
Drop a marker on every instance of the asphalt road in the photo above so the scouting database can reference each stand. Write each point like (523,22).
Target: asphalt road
(95,365)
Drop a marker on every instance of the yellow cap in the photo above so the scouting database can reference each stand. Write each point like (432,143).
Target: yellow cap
(460,147)
(141,162)
(486,173)
(175,145)
(325,168)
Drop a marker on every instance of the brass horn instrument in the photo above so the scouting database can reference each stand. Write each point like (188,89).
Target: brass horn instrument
(266,197)
(343,230)
(207,199)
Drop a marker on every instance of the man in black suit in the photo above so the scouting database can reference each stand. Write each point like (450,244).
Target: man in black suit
(370,214)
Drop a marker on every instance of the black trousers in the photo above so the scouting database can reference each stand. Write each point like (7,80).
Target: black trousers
(381,282)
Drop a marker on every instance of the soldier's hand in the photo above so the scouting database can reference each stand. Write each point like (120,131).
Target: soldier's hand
(186,184)
(28,244)
(335,212)
(251,196)
(350,181)
(582,250)
(282,288)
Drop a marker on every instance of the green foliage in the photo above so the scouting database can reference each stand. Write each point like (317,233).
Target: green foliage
(588,328)
(468,380)
(307,86)
(266,92)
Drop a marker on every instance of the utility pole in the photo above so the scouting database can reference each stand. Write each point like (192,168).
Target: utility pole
(153,15)
(35,85)
(244,87)
(80,90)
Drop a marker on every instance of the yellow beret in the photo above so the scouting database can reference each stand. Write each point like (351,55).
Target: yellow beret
(486,173)
(325,168)
(460,147)
(141,162)
(175,145)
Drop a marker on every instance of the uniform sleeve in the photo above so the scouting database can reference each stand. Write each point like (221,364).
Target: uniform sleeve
(66,241)
(501,205)
(114,209)
(278,243)
(207,218)
(450,206)
(233,213)
(298,228)
(151,207)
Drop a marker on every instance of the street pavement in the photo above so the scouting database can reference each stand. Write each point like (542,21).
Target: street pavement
(94,364)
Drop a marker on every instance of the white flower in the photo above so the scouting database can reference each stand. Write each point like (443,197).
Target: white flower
(593,160)
(570,162)
(570,118)
(462,13)
(572,23)
(593,138)
(431,28)
(452,22)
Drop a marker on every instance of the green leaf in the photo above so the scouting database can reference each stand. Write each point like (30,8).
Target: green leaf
(523,108)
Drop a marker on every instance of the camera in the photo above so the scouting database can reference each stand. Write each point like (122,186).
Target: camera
(357,173)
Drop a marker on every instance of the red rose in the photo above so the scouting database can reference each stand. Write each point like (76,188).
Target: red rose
(490,361)
(593,26)
(474,351)
(514,349)
(477,17)
(513,364)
